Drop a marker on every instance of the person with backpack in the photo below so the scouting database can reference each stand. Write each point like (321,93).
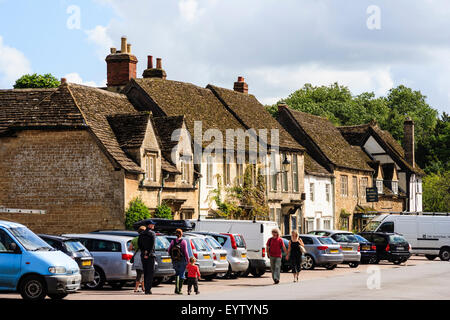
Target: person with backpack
(274,247)
(180,259)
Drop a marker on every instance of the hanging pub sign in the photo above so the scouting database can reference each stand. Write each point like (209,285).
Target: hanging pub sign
(372,194)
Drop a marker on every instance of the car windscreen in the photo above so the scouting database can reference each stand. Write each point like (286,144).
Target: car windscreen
(372,226)
(213,243)
(161,243)
(326,240)
(74,246)
(240,243)
(396,239)
(345,237)
(29,240)
(199,244)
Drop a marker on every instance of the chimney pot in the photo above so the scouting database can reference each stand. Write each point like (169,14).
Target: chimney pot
(240,85)
(129,48)
(63,80)
(240,79)
(123,47)
(149,62)
(158,63)
(113,50)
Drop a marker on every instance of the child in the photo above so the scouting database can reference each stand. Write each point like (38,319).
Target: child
(193,276)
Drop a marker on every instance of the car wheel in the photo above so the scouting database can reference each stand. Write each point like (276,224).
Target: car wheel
(257,273)
(308,263)
(209,277)
(331,266)
(353,264)
(99,280)
(57,296)
(245,273)
(430,256)
(33,288)
(444,255)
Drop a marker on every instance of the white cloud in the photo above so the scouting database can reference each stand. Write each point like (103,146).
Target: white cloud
(100,38)
(76,78)
(13,65)
(189,10)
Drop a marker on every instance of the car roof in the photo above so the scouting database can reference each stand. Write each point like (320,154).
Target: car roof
(333,231)
(10,224)
(97,236)
(125,233)
(53,237)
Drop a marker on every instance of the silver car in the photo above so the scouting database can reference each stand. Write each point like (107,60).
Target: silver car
(111,259)
(235,246)
(321,252)
(219,255)
(349,244)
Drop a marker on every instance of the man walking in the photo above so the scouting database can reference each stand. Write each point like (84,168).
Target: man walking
(146,243)
(274,246)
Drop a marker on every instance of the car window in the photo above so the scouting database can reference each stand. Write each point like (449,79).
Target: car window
(360,239)
(221,240)
(396,239)
(199,244)
(307,240)
(29,240)
(162,243)
(105,246)
(344,237)
(5,242)
(387,227)
(378,240)
(240,243)
(326,240)
(50,242)
(74,246)
(213,243)
(320,233)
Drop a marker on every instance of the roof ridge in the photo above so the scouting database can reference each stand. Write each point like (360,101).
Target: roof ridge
(103,91)
(75,102)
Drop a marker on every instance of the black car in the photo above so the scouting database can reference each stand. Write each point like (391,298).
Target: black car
(367,249)
(392,247)
(285,264)
(75,250)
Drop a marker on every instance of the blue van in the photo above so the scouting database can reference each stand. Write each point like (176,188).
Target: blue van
(30,266)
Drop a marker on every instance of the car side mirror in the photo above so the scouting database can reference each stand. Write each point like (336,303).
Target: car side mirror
(14,248)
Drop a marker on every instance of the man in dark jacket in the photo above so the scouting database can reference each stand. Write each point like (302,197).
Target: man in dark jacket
(146,243)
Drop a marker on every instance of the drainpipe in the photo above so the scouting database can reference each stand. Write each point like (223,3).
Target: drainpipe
(333,201)
(161,189)
(199,180)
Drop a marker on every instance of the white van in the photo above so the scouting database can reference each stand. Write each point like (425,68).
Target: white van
(255,233)
(427,234)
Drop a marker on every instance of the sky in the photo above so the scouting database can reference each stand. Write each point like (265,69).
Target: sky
(276,45)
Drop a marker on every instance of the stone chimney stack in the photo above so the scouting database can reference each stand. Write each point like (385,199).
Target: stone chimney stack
(121,66)
(157,72)
(241,86)
(408,141)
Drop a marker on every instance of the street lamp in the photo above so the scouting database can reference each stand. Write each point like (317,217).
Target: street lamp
(286,164)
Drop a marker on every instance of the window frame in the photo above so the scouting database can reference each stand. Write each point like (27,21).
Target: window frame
(344,186)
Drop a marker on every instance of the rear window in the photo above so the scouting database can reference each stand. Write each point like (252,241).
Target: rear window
(345,237)
(199,244)
(326,240)
(221,240)
(361,239)
(307,240)
(74,246)
(213,243)
(396,239)
(161,243)
(240,243)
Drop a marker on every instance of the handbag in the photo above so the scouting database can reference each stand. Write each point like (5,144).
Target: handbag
(302,249)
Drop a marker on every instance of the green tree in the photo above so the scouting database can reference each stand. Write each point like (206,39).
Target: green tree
(436,192)
(137,211)
(36,81)
(163,211)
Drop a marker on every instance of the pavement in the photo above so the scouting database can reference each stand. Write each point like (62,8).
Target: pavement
(418,278)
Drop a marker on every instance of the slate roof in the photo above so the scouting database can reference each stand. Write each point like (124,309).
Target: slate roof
(329,140)
(356,135)
(129,128)
(253,114)
(314,168)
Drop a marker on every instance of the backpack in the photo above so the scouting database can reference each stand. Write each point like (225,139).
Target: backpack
(176,253)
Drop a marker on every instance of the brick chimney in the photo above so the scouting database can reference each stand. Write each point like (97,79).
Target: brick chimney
(408,141)
(240,85)
(121,66)
(157,72)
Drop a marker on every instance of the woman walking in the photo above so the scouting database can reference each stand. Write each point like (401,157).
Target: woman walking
(295,254)
(137,261)
(274,247)
(180,258)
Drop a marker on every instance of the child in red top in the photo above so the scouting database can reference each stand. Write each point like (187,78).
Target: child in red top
(193,276)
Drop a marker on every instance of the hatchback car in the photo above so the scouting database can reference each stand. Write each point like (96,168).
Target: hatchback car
(111,259)
(321,252)
(163,263)
(234,245)
(390,246)
(368,250)
(219,255)
(349,245)
(76,251)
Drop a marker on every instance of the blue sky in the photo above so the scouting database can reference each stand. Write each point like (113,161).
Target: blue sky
(276,45)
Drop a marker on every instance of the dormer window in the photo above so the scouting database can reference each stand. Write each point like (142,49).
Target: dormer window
(379,186)
(150,167)
(395,187)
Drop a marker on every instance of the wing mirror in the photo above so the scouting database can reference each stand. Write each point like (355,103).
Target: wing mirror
(14,248)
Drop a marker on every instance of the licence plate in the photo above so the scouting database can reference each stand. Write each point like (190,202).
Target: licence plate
(400,248)
(366,248)
(243,255)
(86,263)
(166,260)
(206,256)
(334,251)
(347,249)
(223,258)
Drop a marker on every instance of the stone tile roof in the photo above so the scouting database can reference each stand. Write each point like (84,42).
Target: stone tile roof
(356,135)
(314,168)
(329,140)
(129,128)
(164,127)
(195,103)
(253,115)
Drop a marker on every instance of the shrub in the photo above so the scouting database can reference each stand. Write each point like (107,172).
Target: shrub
(136,211)
(163,211)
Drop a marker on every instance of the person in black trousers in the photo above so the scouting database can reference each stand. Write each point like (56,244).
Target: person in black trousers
(146,243)
(295,254)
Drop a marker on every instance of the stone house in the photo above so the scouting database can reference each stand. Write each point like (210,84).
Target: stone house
(325,144)
(65,151)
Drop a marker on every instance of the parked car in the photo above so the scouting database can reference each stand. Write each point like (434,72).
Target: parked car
(30,266)
(198,248)
(368,250)
(256,233)
(76,251)
(236,252)
(428,234)
(285,264)
(111,259)
(163,267)
(219,255)
(320,252)
(390,246)
(349,245)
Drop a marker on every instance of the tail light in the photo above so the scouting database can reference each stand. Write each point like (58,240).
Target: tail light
(374,247)
(232,239)
(388,248)
(263,252)
(359,248)
(127,256)
(193,250)
(340,247)
(322,248)
(409,247)
(214,256)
